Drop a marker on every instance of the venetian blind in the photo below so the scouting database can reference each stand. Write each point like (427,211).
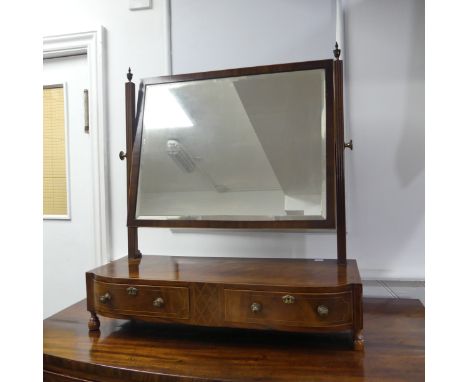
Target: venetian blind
(54,171)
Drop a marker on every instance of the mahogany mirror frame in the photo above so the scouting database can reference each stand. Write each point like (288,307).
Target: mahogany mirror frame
(133,166)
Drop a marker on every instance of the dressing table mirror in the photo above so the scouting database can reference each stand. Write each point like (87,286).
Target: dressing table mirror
(257,148)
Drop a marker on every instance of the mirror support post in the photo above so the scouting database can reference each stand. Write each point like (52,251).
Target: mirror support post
(133,252)
(339,155)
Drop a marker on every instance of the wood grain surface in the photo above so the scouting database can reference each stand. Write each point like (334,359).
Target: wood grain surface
(135,351)
(221,292)
(268,272)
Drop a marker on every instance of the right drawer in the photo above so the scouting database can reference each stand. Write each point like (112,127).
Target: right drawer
(290,309)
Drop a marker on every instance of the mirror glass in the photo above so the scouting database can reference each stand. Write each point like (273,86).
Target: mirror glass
(237,148)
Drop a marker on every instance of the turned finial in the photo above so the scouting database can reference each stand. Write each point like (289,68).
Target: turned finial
(129,75)
(337,51)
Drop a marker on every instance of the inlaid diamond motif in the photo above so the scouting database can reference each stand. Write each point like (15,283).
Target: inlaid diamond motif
(206,304)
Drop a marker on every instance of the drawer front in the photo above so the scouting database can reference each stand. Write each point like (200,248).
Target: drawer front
(290,309)
(164,301)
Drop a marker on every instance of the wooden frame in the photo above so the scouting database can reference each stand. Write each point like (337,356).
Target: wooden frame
(328,223)
(339,148)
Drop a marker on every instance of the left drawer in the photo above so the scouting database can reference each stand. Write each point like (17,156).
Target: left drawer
(156,301)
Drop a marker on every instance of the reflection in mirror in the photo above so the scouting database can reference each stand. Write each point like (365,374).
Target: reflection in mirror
(238,148)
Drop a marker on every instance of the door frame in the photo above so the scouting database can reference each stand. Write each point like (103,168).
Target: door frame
(91,43)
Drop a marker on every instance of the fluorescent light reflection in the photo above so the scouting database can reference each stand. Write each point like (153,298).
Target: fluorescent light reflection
(163,111)
(178,154)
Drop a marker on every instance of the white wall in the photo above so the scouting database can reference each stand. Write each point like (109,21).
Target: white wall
(210,35)
(385,117)
(384,43)
(385,63)
(133,38)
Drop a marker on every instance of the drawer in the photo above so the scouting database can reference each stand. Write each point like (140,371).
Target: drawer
(156,301)
(290,309)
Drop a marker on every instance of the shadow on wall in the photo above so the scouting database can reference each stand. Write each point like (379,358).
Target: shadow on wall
(385,108)
(410,155)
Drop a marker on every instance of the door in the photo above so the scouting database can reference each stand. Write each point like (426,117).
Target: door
(68,229)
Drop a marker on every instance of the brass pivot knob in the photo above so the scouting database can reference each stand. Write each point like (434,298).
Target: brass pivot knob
(159,302)
(122,155)
(322,310)
(256,307)
(105,298)
(349,145)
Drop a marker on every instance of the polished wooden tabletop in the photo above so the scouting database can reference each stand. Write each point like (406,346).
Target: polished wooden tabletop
(277,272)
(135,351)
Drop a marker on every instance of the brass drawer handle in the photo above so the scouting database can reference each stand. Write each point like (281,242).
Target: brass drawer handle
(288,299)
(132,291)
(256,307)
(105,298)
(322,310)
(159,302)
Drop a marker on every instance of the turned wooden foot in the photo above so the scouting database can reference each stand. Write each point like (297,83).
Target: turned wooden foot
(358,341)
(93,323)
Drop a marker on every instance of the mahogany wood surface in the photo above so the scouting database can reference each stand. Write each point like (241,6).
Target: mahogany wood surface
(340,171)
(303,312)
(175,300)
(135,351)
(130,131)
(229,270)
(129,124)
(295,295)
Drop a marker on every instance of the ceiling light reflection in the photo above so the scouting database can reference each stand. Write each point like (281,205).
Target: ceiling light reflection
(163,110)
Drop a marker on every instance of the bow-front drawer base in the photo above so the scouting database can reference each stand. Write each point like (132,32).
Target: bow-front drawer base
(236,293)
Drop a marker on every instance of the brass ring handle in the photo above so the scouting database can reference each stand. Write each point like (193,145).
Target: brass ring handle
(132,291)
(122,155)
(256,307)
(288,299)
(349,145)
(159,302)
(322,310)
(105,298)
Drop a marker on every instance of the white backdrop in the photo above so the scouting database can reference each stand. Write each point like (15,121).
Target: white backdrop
(384,64)
(210,35)
(384,70)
